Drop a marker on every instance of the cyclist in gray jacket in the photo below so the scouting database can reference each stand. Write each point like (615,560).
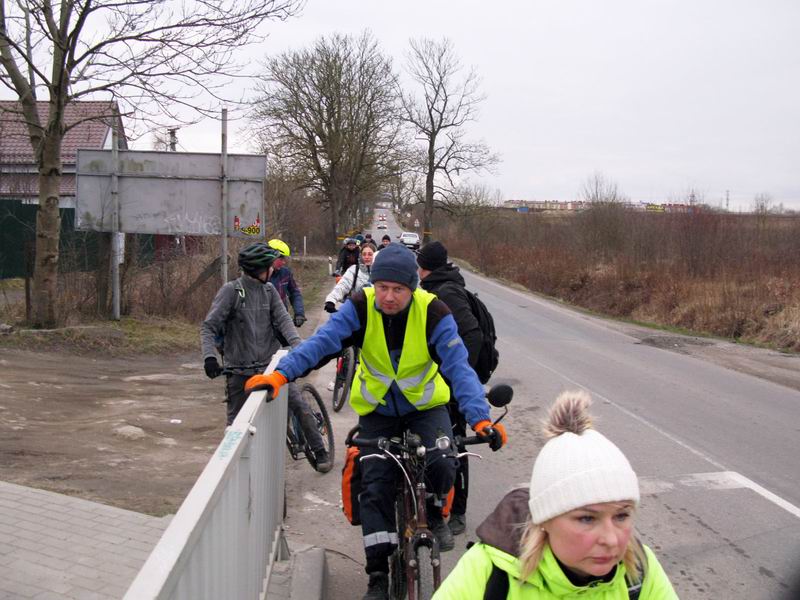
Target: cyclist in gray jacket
(246,323)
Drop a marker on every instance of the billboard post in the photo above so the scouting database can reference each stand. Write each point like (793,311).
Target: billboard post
(224,257)
(115,283)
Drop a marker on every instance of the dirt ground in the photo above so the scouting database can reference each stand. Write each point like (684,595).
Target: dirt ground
(133,432)
(136,431)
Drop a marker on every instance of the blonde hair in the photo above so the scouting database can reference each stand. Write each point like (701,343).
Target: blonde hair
(534,539)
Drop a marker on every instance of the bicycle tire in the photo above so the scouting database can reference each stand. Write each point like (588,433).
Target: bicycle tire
(324,426)
(398,586)
(424,583)
(341,386)
(294,437)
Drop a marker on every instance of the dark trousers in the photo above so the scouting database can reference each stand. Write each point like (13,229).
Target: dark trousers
(235,397)
(462,473)
(379,484)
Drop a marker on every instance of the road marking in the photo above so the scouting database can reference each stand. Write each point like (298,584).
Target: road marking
(742,480)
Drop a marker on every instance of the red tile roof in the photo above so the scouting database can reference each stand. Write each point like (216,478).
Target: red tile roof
(15,145)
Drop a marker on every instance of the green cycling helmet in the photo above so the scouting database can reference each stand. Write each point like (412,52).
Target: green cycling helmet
(257,257)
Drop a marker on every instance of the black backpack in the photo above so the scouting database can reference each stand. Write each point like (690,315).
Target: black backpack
(489,357)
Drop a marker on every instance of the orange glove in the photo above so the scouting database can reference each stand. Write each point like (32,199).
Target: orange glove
(496,433)
(271,382)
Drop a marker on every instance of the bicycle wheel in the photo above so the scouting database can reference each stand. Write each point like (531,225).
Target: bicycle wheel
(344,377)
(314,402)
(424,583)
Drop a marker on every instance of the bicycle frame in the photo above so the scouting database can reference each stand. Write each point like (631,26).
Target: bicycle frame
(412,510)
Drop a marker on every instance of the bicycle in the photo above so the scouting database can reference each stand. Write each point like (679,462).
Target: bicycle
(415,566)
(345,370)
(295,438)
(296,441)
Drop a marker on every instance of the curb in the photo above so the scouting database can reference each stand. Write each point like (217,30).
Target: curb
(309,572)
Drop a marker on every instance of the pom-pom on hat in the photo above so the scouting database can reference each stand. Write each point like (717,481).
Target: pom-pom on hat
(577,466)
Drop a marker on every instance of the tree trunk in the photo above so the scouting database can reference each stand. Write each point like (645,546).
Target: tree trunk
(48,226)
(427,221)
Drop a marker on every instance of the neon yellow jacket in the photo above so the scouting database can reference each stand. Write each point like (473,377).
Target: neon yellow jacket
(501,529)
(468,580)
(417,374)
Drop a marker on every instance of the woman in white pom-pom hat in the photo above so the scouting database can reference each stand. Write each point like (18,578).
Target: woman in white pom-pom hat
(571,533)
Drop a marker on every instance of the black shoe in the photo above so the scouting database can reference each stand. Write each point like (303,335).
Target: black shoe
(323,460)
(457,524)
(378,588)
(442,533)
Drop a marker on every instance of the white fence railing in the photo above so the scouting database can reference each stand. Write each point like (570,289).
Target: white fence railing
(226,535)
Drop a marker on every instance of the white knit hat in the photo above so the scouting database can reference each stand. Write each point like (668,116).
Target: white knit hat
(578,466)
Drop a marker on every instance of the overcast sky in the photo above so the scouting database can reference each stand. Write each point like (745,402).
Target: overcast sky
(660,96)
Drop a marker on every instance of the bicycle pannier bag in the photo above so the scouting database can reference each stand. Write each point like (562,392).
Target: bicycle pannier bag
(351,485)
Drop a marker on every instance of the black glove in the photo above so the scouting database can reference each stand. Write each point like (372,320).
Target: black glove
(330,307)
(212,367)
(299,320)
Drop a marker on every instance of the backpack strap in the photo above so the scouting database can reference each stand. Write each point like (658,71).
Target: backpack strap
(355,282)
(497,585)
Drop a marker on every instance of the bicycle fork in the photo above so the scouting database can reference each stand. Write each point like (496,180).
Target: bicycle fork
(423,536)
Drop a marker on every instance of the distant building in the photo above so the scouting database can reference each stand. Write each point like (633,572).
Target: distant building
(89,127)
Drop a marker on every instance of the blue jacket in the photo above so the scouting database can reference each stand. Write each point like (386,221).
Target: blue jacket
(283,281)
(444,344)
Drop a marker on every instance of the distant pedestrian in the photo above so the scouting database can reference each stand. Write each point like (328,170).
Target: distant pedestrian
(348,256)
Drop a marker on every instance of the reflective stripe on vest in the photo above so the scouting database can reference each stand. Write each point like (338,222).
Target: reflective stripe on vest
(417,375)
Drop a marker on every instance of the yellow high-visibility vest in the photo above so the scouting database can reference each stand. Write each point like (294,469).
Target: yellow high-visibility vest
(417,374)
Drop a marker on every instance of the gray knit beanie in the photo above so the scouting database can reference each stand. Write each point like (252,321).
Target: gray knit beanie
(395,263)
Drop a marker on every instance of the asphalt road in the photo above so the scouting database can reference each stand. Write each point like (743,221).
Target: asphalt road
(717,451)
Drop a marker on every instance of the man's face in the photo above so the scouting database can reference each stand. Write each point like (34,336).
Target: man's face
(392,298)
(351,247)
(279,262)
(423,273)
(385,242)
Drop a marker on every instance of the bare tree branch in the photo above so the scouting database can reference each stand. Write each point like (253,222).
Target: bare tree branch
(449,101)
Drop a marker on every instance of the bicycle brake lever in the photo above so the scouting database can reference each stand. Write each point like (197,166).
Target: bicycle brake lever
(462,454)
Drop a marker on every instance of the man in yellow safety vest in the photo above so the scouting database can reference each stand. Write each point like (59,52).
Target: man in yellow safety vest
(406,337)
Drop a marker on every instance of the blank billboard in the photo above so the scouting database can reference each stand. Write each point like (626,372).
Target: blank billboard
(171,193)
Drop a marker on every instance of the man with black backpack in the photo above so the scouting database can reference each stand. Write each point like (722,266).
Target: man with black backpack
(442,278)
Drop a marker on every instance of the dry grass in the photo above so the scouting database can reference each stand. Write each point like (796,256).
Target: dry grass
(726,275)
(165,310)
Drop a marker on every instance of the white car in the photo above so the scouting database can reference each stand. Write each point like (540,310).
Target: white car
(410,240)
(382,226)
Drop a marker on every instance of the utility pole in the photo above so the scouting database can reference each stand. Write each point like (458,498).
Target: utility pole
(224,257)
(727,200)
(173,139)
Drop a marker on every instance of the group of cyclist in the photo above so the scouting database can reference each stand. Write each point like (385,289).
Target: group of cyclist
(570,532)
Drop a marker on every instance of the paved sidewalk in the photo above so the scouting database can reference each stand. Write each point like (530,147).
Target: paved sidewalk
(58,547)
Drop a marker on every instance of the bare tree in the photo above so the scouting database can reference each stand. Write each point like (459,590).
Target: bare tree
(448,101)
(471,200)
(597,188)
(331,112)
(762,204)
(146,57)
